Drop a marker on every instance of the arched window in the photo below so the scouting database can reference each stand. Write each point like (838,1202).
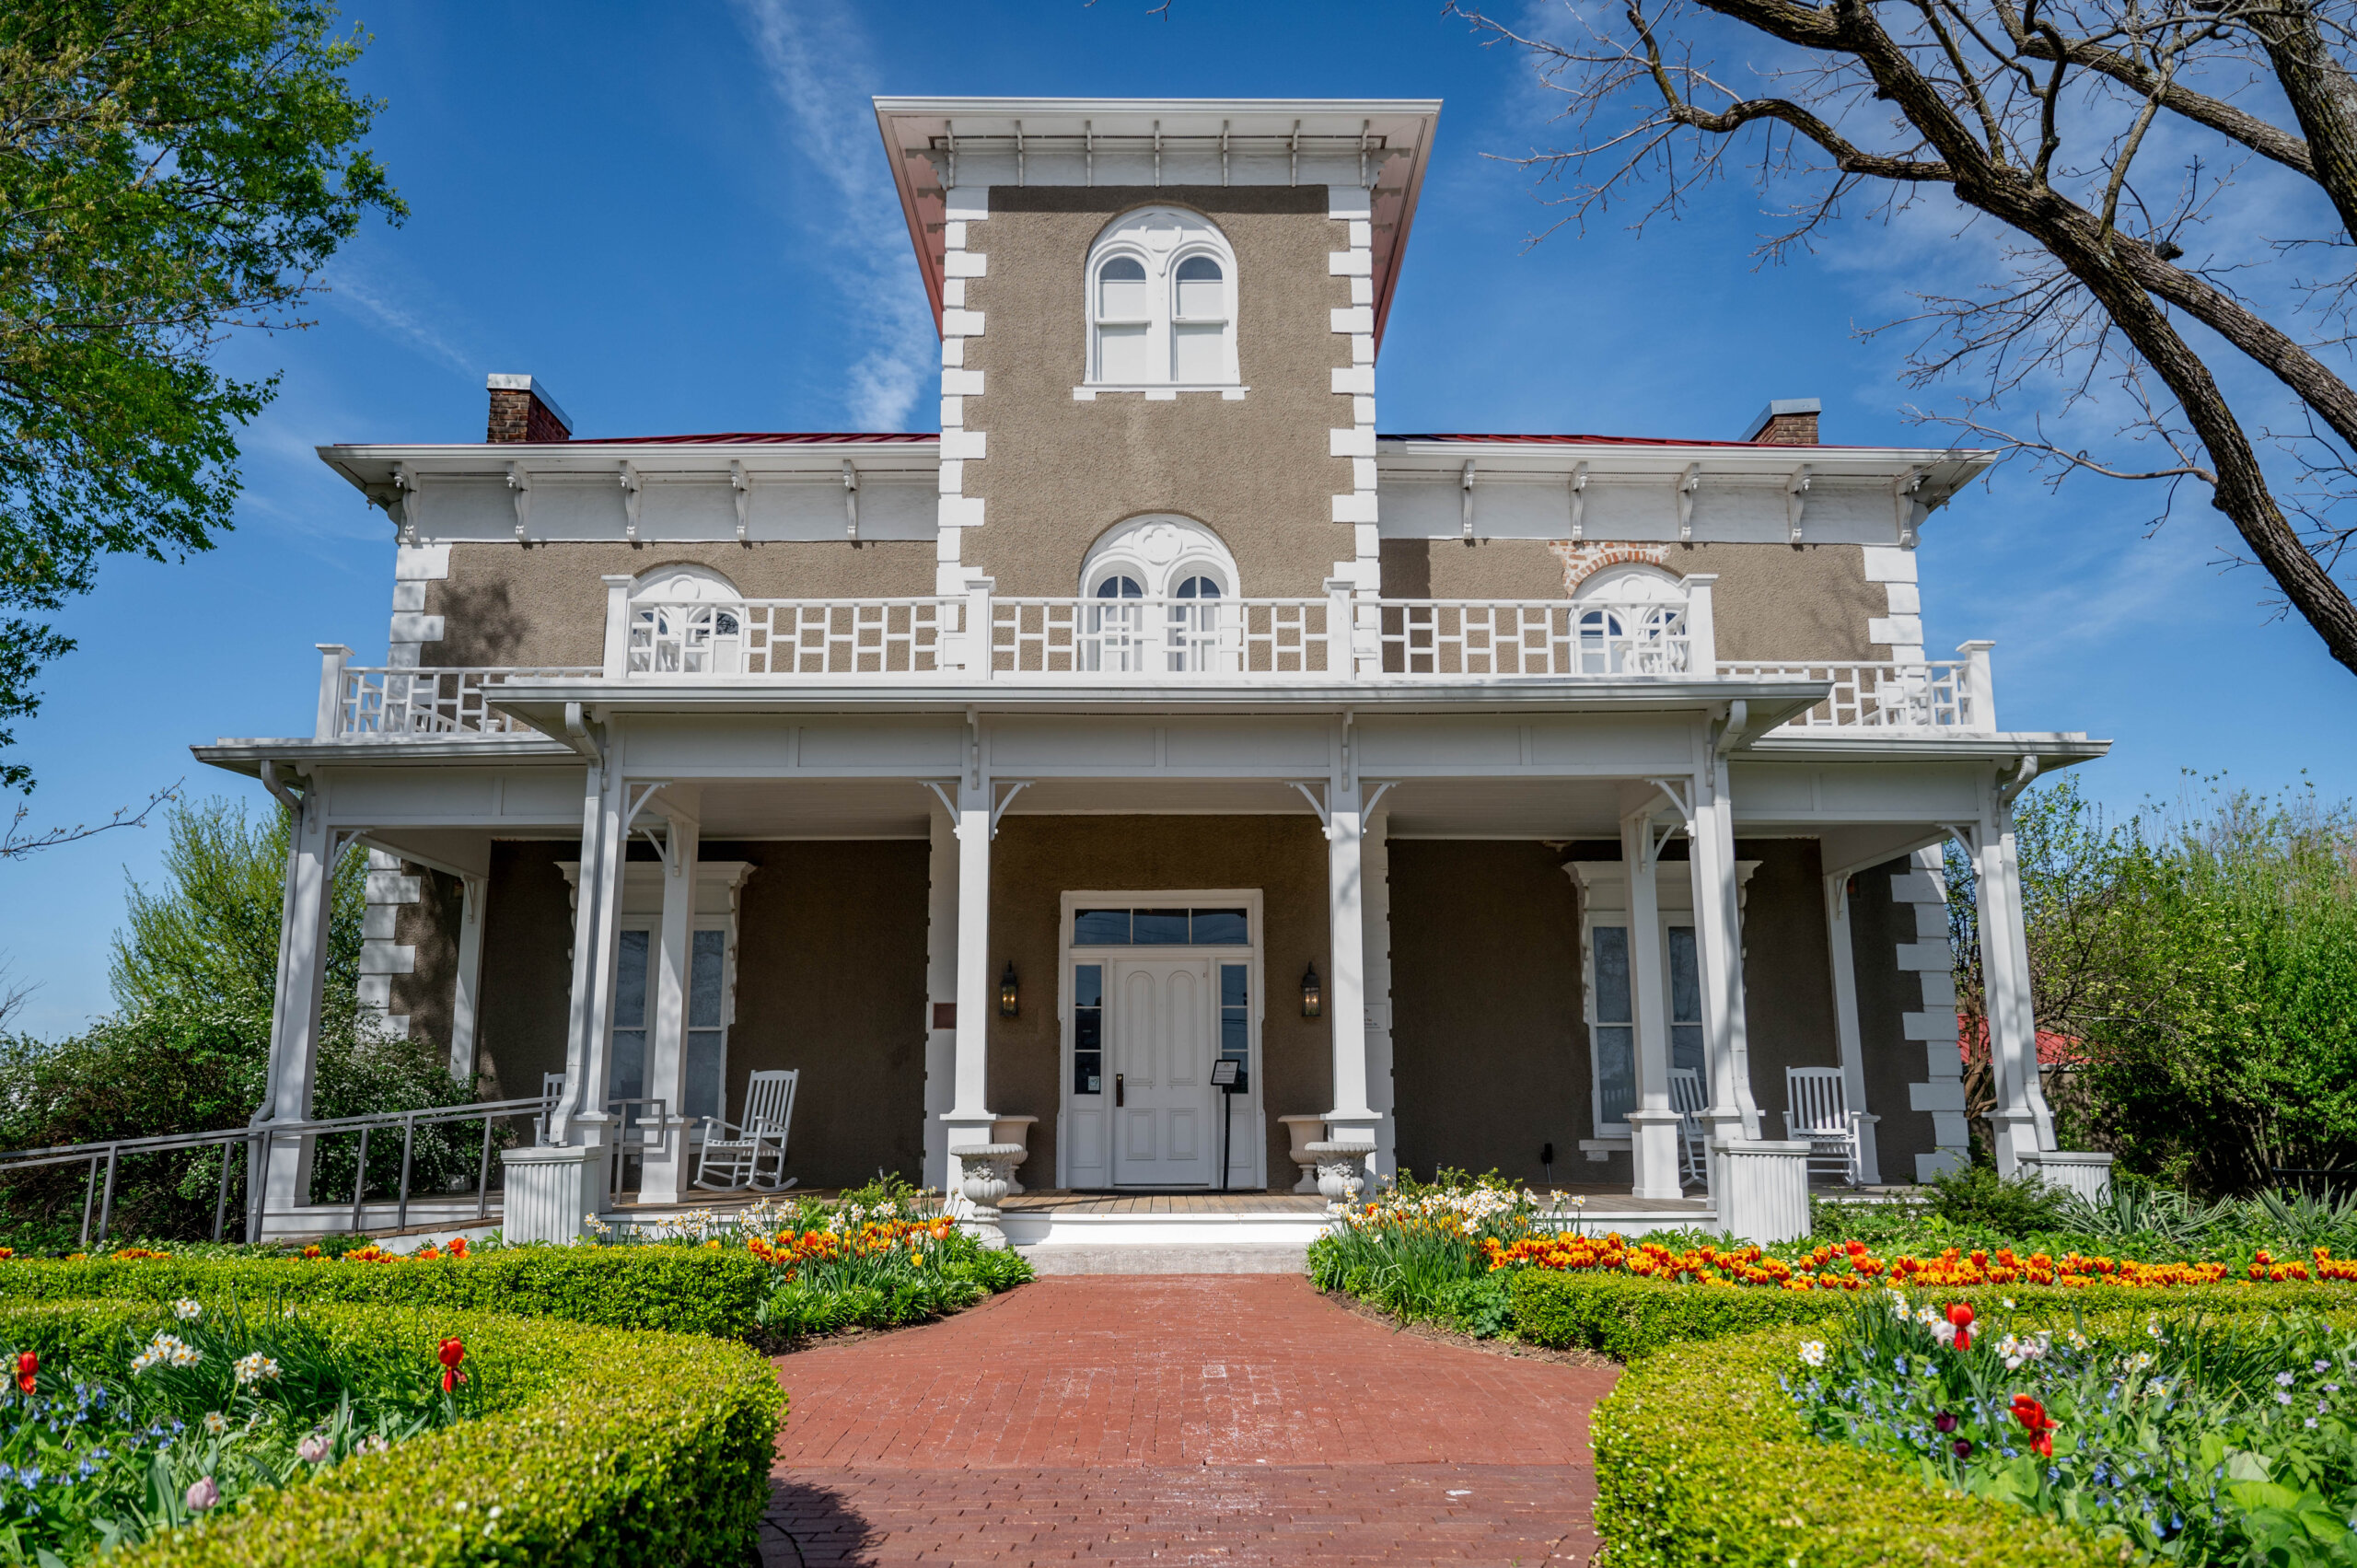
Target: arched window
(1631,620)
(1184,573)
(686,621)
(1162,303)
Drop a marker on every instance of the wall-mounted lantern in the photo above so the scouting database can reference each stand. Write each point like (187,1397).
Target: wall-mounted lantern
(1009,1000)
(1313,996)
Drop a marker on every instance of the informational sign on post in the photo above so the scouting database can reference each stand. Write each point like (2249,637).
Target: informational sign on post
(1227,1077)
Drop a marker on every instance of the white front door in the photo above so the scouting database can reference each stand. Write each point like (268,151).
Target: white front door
(1163,1043)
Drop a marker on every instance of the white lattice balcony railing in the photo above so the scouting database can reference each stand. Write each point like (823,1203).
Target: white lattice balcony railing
(981,636)
(362,701)
(1535,637)
(795,637)
(1950,694)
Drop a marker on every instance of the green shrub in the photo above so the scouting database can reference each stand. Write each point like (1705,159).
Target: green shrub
(596,1446)
(1627,1319)
(1700,1458)
(1976,1195)
(685,1290)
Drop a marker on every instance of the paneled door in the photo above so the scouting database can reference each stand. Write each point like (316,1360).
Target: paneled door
(1166,1128)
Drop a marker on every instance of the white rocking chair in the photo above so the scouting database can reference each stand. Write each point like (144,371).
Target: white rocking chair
(735,1155)
(1818,1110)
(1686,1098)
(552,1091)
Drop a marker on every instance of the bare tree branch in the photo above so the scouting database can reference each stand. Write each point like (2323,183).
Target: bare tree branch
(16,844)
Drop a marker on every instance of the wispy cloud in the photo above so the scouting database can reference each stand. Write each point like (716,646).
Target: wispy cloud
(377,304)
(817,58)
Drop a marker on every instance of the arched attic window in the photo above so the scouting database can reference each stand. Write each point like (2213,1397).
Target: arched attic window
(1162,303)
(1631,620)
(1177,562)
(686,621)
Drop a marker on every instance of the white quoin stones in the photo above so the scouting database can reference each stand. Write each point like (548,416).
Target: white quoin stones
(965,206)
(1356,508)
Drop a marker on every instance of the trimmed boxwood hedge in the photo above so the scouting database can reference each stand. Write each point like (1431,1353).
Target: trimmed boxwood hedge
(1702,1458)
(601,1445)
(680,1290)
(1626,1316)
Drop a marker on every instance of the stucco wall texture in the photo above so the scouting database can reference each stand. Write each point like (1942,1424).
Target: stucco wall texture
(830,978)
(1036,859)
(505,604)
(1771,601)
(1885,994)
(1061,473)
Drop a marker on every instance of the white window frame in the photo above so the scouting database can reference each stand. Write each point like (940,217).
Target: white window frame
(1080,1116)
(719,889)
(1160,239)
(1604,901)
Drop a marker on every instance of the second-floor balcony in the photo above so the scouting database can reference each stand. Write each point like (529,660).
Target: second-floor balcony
(986,638)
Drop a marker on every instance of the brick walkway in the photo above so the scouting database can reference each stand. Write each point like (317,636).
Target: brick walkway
(1229,1419)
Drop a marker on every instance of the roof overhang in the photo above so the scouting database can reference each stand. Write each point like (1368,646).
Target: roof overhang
(376,468)
(1933,473)
(1387,141)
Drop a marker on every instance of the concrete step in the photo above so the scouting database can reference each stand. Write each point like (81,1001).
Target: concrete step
(1168,1258)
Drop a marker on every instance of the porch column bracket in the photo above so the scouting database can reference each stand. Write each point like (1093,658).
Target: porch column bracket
(1325,819)
(1016,787)
(1730,730)
(581,735)
(638,805)
(1681,801)
(1366,812)
(943,795)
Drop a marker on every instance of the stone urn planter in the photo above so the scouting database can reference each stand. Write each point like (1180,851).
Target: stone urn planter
(1304,1131)
(1341,1170)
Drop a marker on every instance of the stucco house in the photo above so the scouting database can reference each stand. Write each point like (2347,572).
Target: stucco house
(1470,793)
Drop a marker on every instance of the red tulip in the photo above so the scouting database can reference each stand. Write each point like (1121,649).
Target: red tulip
(26,1364)
(451,1353)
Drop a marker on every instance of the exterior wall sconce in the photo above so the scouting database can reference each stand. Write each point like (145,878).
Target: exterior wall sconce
(1008,999)
(1313,996)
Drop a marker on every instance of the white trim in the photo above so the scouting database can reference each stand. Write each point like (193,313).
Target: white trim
(1250,1142)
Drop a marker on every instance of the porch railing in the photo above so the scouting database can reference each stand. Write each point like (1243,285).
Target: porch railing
(362,701)
(1952,694)
(983,636)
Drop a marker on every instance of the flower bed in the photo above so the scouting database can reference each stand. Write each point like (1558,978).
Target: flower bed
(2200,1438)
(1702,1457)
(1851,1267)
(561,1441)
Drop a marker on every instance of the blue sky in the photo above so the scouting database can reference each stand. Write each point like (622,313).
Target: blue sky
(679,218)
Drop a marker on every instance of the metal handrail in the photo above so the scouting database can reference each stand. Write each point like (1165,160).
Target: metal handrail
(258,1136)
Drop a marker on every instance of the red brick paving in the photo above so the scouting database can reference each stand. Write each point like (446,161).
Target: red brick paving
(1235,1419)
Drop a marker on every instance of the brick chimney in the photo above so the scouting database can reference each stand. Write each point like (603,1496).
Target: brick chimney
(1787,422)
(521,411)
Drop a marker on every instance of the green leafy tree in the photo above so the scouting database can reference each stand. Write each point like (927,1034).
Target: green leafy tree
(189,1051)
(213,930)
(169,170)
(2204,959)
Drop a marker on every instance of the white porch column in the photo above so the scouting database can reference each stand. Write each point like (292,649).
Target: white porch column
(1839,942)
(304,911)
(1652,1124)
(1352,1119)
(466,995)
(663,1173)
(941,999)
(1374,861)
(1718,938)
(969,1120)
(2021,1122)
(549,1190)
